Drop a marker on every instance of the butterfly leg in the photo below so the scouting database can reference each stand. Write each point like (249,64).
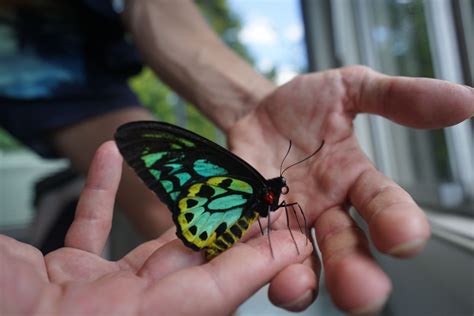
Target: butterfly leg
(292,205)
(268,233)
(305,224)
(260,225)
(283,204)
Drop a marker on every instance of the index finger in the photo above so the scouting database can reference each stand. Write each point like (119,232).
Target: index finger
(93,219)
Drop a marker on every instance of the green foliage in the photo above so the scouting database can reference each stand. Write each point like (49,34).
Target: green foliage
(165,104)
(7,142)
(153,94)
(422,45)
(440,154)
(225,23)
(418,61)
(200,124)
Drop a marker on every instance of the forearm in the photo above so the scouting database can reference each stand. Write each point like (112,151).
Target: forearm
(178,45)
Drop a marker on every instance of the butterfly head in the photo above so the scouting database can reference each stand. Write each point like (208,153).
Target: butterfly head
(276,187)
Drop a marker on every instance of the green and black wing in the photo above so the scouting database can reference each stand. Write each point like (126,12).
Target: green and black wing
(211,192)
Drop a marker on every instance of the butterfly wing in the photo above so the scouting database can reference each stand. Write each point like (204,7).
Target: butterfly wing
(211,192)
(215,213)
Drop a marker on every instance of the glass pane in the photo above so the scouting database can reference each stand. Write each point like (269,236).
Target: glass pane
(398,44)
(400,37)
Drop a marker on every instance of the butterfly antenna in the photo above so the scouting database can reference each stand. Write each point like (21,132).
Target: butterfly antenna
(296,163)
(286,155)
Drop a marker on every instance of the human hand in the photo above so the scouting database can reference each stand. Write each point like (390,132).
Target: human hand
(160,277)
(321,106)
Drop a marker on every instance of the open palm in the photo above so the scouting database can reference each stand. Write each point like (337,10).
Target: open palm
(322,106)
(159,277)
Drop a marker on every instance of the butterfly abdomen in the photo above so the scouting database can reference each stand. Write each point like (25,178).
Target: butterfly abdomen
(230,236)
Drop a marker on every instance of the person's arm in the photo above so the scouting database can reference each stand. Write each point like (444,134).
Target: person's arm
(179,46)
(176,42)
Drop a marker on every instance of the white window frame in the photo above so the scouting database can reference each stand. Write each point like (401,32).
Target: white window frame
(447,65)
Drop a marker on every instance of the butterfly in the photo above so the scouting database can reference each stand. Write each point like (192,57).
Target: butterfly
(213,195)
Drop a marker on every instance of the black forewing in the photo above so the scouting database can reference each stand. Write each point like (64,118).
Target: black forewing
(182,147)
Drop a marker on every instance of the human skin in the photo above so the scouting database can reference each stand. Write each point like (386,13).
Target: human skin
(159,277)
(321,106)
(259,119)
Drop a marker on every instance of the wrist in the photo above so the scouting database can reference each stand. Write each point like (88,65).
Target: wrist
(198,66)
(229,94)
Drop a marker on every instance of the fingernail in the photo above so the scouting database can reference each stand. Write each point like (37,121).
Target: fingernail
(408,248)
(301,302)
(369,309)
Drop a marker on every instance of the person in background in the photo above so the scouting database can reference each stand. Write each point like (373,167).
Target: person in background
(64,92)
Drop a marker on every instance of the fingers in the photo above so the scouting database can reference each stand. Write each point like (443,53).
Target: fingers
(414,102)
(156,259)
(10,247)
(93,219)
(397,225)
(135,259)
(169,258)
(355,281)
(296,287)
(220,286)
(23,277)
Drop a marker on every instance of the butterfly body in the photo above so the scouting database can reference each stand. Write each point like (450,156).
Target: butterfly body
(214,195)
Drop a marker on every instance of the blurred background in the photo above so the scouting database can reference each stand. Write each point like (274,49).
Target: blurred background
(283,38)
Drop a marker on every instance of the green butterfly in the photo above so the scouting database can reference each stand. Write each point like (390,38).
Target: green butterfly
(214,195)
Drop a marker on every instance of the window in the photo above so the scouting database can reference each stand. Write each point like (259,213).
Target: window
(409,38)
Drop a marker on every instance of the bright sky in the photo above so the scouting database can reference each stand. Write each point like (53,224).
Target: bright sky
(273,32)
